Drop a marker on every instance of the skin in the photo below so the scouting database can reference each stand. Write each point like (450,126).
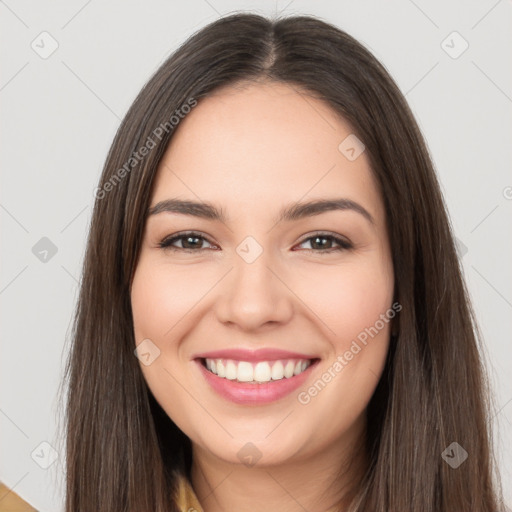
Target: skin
(251,149)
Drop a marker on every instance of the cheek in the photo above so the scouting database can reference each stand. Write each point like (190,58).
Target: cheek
(353,303)
(161,299)
(347,298)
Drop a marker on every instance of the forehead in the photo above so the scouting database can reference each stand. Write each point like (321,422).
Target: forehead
(261,145)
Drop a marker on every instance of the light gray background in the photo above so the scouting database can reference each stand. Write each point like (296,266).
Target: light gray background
(59,116)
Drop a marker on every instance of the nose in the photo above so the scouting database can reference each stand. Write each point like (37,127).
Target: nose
(254,295)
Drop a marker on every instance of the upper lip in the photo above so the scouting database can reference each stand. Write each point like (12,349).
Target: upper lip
(262,354)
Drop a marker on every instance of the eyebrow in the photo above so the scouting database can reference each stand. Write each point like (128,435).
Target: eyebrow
(294,211)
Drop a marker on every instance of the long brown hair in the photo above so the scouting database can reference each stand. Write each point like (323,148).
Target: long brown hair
(123,453)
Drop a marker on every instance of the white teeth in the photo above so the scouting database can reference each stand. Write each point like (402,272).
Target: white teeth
(263,371)
(288,369)
(221,369)
(231,370)
(245,371)
(277,371)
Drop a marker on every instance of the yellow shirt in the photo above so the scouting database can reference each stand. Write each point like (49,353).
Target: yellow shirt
(11,502)
(186,498)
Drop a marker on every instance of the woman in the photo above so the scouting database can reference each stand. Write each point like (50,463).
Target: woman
(272,314)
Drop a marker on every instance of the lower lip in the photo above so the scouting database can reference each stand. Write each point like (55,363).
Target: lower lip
(255,394)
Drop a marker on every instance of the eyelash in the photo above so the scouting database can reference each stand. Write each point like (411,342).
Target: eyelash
(343,244)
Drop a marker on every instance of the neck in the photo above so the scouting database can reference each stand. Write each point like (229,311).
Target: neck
(324,481)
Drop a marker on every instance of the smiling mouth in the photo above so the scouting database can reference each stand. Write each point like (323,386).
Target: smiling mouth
(260,372)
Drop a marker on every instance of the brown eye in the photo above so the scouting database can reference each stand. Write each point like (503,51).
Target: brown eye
(323,243)
(190,242)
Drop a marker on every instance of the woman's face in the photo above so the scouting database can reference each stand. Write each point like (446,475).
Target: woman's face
(292,312)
